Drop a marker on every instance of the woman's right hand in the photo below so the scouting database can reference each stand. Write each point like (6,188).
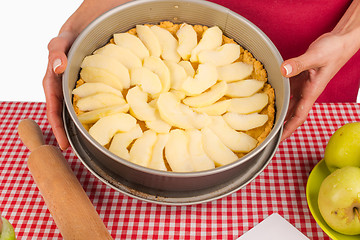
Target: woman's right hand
(58,48)
(52,84)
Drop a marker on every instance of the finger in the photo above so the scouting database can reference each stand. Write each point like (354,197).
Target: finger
(58,61)
(295,66)
(296,89)
(62,42)
(57,125)
(298,118)
(54,103)
(292,104)
(58,48)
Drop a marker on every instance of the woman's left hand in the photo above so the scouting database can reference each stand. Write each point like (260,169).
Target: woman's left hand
(310,73)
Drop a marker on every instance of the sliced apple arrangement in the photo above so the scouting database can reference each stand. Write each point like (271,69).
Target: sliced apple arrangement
(175,97)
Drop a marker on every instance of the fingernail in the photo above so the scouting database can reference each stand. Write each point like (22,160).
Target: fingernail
(56,64)
(288,69)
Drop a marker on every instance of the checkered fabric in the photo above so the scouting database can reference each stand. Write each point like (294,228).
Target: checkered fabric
(279,188)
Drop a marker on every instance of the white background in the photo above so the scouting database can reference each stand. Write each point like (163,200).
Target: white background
(26,29)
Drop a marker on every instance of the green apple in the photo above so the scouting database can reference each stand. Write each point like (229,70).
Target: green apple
(339,200)
(6,230)
(343,148)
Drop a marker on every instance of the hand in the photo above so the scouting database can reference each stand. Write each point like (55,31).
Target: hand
(310,73)
(58,47)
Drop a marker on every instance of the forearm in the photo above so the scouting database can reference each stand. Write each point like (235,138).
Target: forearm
(349,26)
(86,13)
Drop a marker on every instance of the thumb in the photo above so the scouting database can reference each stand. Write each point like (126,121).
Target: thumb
(58,48)
(58,61)
(295,66)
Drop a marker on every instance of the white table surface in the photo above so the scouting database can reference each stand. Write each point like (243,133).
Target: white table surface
(27,27)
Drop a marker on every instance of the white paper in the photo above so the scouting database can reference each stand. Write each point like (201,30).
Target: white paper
(274,227)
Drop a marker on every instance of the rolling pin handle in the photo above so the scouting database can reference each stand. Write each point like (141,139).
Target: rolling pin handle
(30,134)
(67,201)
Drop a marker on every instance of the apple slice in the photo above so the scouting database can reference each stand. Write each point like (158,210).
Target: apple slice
(149,39)
(99,100)
(211,39)
(121,142)
(168,44)
(139,107)
(157,66)
(199,159)
(88,89)
(189,69)
(123,55)
(133,43)
(152,102)
(205,77)
(247,105)
(197,120)
(104,129)
(187,38)
(215,149)
(158,125)
(179,94)
(92,75)
(157,159)
(234,71)
(236,141)
(141,150)
(244,122)
(223,55)
(177,74)
(207,98)
(147,80)
(244,88)
(93,116)
(215,109)
(177,152)
(170,111)
(109,64)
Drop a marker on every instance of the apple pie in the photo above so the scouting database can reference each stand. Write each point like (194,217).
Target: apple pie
(175,97)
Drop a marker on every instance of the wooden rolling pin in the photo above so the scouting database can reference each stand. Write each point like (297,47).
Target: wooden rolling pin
(70,207)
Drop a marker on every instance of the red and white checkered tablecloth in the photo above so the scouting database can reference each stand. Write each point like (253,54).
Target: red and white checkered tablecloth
(279,188)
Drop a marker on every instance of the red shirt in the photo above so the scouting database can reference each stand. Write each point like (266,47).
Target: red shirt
(293,25)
